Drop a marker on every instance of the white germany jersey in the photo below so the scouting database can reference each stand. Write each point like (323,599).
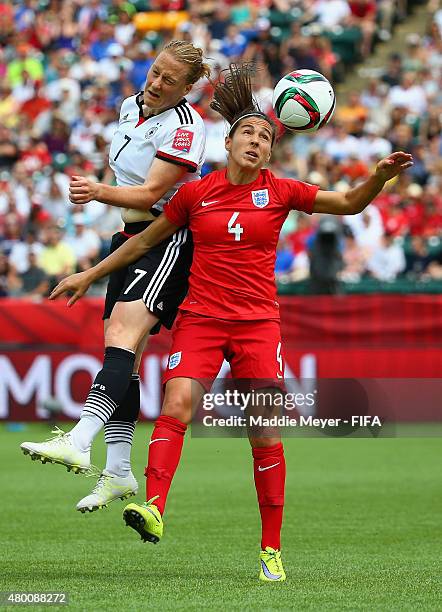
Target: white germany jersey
(176,135)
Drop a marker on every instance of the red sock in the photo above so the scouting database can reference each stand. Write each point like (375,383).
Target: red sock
(269,485)
(164,457)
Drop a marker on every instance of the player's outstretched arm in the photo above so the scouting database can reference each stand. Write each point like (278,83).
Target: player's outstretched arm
(161,178)
(130,251)
(356,199)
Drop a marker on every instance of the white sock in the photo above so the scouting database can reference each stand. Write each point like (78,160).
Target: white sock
(85,430)
(118,458)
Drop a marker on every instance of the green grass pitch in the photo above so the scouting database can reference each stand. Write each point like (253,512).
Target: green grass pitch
(361,529)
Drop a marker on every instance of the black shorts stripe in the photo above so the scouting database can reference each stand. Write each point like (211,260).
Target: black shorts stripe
(164,269)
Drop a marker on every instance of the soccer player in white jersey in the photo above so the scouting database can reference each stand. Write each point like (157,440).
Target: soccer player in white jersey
(159,145)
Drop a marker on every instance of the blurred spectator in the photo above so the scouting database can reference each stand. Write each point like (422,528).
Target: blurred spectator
(142,61)
(352,114)
(33,282)
(393,72)
(9,151)
(25,63)
(19,254)
(9,106)
(284,258)
(57,258)
(341,144)
(387,260)
(11,233)
(36,104)
(354,260)
(233,44)
(372,145)
(325,257)
(367,228)
(409,94)
(7,275)
(57,136)
(418,257)
(363,15)
(85,242)
(331,13)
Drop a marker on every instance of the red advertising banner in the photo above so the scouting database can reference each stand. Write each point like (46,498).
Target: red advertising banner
(49,354)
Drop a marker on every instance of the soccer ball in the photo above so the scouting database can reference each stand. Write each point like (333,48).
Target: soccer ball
(304,100)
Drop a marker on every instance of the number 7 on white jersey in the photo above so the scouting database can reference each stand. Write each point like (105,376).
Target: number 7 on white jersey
(237,230)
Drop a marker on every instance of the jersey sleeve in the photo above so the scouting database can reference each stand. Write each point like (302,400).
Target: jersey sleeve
(298,195)
(183,145)
(178,207)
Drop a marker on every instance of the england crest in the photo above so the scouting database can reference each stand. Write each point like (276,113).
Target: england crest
(260,198)
(174,360)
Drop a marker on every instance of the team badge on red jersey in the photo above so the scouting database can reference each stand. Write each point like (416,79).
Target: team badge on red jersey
(260,198)
(174,360)
(183,140)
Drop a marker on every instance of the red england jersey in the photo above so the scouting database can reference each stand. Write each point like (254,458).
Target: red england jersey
(235,232)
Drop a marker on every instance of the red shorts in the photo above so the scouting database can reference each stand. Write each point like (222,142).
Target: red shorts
(200,345)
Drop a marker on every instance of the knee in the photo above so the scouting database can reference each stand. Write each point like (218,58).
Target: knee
(114,334)
(263,442)
(176,406)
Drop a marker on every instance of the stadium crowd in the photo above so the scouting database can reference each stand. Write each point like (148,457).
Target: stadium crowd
(65,67)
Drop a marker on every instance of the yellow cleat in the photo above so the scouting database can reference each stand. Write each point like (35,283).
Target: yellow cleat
(272,569)
(145,519)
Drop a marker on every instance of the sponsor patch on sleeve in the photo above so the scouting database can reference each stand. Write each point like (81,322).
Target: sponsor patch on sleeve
(182,140)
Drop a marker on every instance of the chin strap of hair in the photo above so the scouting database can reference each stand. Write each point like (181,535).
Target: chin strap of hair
(255,114)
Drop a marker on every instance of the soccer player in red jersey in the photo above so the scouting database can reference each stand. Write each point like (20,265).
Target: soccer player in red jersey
(230,311)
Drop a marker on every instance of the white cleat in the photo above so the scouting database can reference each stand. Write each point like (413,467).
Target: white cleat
(108,489)
(59,449)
